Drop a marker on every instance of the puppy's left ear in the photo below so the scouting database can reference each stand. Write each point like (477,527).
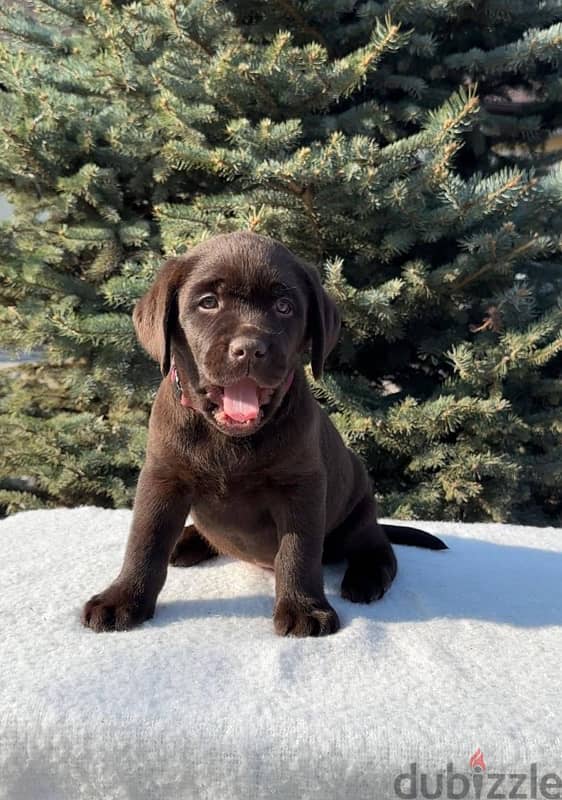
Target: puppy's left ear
(156,313)
(323,322)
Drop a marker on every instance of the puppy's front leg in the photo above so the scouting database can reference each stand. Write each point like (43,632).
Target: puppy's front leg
(161,506)
(301,608)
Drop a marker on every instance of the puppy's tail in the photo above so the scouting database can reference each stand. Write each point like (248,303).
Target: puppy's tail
(400,534)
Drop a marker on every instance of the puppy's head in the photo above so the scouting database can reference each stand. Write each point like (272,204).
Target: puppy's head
(236,312)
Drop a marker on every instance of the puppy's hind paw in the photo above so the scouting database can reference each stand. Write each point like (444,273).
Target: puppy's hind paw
(367,579)
(191,548)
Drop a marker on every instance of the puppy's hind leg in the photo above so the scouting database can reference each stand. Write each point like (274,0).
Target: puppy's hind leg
(191,548)
(371,560)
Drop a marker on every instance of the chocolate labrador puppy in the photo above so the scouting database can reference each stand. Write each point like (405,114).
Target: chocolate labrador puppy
(237,439)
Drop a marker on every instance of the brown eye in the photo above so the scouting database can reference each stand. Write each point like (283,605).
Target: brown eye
(208,301)
(283,306)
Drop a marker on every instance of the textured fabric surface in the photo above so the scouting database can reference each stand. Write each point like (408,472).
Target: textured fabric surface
(204,701)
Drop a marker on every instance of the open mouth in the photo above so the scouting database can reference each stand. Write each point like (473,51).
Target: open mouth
(239,406)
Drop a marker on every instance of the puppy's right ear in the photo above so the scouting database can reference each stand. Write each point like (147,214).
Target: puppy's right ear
(156,313)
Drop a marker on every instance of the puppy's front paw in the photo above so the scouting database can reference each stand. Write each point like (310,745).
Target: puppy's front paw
(305,617)
(368,578)
(115,609)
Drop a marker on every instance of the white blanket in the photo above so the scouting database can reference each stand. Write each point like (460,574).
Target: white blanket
(204,702)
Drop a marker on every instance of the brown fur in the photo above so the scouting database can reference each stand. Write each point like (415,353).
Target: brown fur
(290,494)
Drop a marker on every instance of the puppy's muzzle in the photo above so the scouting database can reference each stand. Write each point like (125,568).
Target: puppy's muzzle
(247,350)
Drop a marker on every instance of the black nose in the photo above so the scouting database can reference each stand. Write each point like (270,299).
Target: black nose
(245,348)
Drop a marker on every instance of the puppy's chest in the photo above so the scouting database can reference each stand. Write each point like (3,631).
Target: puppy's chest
(239,487)
(235,511)
(238,524)
(230,471)
(236,489)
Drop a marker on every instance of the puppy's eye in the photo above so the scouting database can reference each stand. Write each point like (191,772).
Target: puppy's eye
(208,301)
(283,306)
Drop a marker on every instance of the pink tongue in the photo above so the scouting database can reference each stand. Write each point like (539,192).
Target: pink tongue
(240,401)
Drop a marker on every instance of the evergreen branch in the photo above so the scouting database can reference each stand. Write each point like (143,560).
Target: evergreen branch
(535,46)
(64,10)
(515,253)
(290,9)
(308,202)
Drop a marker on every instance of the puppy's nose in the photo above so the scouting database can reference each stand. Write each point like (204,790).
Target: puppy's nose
(245,348)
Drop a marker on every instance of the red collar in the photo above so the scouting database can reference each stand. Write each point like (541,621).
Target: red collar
(184,400)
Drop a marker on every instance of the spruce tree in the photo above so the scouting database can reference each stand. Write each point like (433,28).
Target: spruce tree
(408,148)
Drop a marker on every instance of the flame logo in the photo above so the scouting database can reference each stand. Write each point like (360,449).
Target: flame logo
(476,760)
